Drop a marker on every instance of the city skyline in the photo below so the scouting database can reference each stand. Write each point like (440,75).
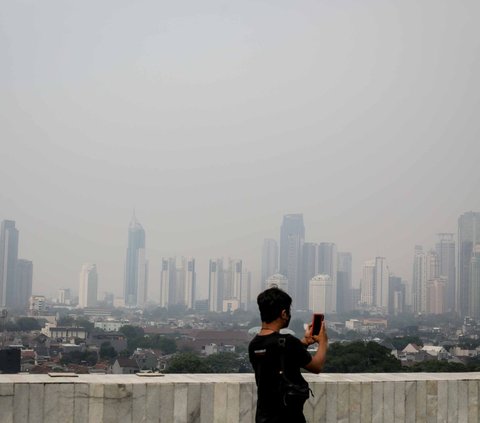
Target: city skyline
(426,293)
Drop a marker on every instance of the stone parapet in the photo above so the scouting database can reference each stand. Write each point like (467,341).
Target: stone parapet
(230,398)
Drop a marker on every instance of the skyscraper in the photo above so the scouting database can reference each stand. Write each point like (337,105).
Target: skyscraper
(136,271)
(178,282)
(344,282)
(381,283)
(475,283)
(88,286)
(320,294)
(468,237)
(8,262)
(309,270)
(269,260)
(23,284)
(327,265)
(419,280)
(375,284)
(367,284)
(215,285)
(445,249)
(292,236)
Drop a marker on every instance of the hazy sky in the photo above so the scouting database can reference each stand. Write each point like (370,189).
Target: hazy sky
(215,118)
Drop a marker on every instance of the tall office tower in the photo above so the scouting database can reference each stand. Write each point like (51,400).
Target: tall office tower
(436,295)
(190,283)
(215,285)
(232,280)
(168,278)
(269,260)
(397,291)
(468,237)
(321,294)
(277,280)
(136,273)
(88,286)
(475,283)
(292,236)
(246,291)
(177,282)
(419,280)
(344,282)
(309,268)
(445,249)
(23,284)
(64,296)
(367,284)
(327,265)
(8,262)
(381,283)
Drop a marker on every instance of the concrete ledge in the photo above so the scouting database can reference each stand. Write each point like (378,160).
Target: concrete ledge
(230,398)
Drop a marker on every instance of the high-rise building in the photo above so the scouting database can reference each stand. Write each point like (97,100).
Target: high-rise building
(23,284)
(88,286)
(269,260)
(64,296)
(367,284)
(344,282)
(136,268)
(374,284)
(190,283)
(436,295)
(246,291)
(178,282)
(232,280)
(292,236)
(327,265)
(310,266)
(468,237)
(8,263)
(475,283)
(215,285)
(381,283)
(419,280)
(321,294)
(445,249)
(397,291)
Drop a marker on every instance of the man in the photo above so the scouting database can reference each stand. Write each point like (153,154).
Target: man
(265,352)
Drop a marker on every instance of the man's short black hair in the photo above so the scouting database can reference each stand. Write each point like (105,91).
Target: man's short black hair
(271,302)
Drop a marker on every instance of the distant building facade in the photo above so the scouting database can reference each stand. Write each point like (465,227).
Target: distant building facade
(136,267)
(88,286)
(8,263)
(321,294)
(292,236)
(23,284)
(269,260)
(468,238)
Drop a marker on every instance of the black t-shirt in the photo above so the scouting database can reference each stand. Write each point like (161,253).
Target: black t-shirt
(264,354)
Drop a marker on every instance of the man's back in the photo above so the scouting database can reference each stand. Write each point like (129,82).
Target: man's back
(264,354)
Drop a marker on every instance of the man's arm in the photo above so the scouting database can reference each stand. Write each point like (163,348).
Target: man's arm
(318,360)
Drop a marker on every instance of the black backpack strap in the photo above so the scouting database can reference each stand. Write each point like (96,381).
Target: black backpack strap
(281,344)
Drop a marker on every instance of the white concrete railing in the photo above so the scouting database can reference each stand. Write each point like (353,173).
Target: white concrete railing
(230,398)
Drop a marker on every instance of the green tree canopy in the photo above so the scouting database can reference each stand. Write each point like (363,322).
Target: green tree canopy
(187,363)
(360,357)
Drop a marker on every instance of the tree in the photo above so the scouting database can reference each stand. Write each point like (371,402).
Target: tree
(224,362)
(360,357)
(107,351)
(433,366)
(28,324)
(187,363)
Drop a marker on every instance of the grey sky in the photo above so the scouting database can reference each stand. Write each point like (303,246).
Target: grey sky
(215,118)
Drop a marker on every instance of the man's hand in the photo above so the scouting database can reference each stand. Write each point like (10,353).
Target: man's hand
(307,338)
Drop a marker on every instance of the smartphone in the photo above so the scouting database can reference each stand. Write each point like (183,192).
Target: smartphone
(317,323)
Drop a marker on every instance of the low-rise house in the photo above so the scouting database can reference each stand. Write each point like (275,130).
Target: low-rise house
(124,366)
